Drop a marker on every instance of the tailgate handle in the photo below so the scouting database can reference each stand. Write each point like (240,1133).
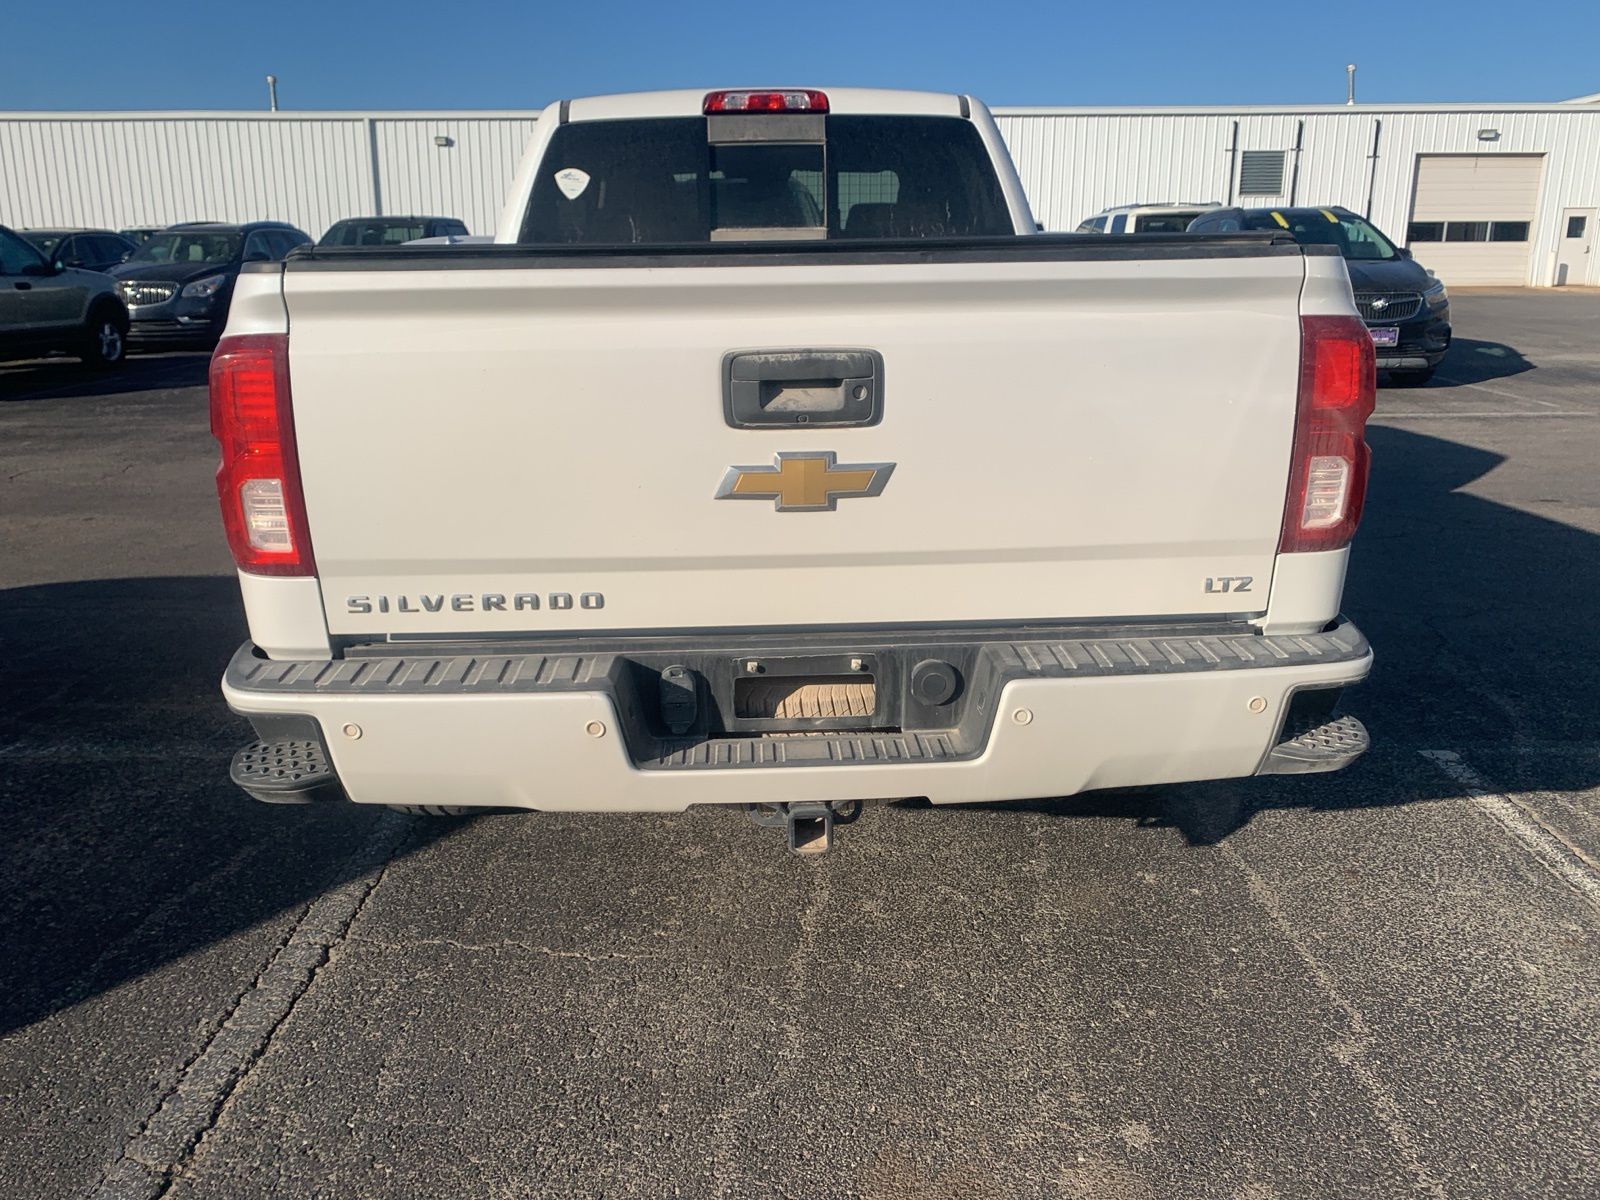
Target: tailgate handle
(812,389)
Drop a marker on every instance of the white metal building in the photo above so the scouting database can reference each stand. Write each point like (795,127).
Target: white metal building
(1503,194)
(1493,194)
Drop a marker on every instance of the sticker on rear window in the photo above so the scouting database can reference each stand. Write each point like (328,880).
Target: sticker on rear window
(572,181)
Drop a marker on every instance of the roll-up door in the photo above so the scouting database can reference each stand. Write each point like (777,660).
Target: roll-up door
(1472,216)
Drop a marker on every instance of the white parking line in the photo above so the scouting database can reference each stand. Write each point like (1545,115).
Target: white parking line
(1559,856)
(164,1140)
(1484,387)
(1355,1050)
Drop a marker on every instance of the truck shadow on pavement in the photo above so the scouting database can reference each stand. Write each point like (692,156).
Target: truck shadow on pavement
(127,849)
(60,378)
(1472,361)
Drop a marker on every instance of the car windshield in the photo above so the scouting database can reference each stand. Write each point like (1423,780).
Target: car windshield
(1356,239)
(16,255)
(188,247)
(45,243)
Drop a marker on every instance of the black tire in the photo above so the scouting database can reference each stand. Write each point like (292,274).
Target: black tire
(432,810)
(105,342)
(1411,378)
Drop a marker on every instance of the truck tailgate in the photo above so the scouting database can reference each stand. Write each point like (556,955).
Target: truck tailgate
(1091,438)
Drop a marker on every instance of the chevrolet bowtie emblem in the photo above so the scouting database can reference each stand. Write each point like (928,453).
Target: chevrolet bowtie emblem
(804,481)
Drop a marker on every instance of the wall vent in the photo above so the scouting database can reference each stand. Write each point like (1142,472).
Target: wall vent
(1261,173)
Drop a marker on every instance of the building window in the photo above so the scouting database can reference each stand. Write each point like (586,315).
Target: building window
(1576,226)
(1467,231)
(1261,173)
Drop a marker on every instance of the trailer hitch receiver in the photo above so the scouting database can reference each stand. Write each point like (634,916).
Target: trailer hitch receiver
(809,823)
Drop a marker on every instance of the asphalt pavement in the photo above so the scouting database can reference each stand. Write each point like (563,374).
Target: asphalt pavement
(1379,983)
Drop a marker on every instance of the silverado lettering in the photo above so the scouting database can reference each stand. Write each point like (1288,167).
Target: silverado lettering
(462,602)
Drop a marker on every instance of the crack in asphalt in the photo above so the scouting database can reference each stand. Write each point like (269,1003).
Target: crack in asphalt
(359,942)
(792,1052)
(152,1159)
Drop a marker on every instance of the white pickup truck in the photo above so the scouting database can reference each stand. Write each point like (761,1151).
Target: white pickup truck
(771,459)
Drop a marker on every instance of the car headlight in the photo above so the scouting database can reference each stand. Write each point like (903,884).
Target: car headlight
(1435,290)
(201,288)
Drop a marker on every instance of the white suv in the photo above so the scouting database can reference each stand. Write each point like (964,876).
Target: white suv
(1145,218)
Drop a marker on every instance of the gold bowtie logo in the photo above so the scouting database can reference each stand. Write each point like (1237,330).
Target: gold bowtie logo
(807,481)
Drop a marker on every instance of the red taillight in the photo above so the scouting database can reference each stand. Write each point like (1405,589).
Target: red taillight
(1328,476)
(777,100)
(258,481)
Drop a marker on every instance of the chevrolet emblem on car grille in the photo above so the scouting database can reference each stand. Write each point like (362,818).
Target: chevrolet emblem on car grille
(804,481)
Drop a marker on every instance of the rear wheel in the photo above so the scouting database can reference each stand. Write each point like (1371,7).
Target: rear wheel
(432,810)
(106,340)
(1411,378)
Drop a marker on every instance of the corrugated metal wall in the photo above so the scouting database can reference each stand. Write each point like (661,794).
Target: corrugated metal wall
(1075,163)
(150,169)
(468,179)
(313,168)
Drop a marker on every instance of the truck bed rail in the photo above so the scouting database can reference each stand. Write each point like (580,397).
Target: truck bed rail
(1044,247)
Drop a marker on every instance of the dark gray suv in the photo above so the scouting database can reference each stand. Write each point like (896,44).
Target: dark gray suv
(179,283)
(46,307)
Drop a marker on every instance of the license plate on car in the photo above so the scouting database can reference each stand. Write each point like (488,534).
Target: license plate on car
(1388,336)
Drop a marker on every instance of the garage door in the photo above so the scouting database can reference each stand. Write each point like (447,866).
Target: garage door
(1472,215)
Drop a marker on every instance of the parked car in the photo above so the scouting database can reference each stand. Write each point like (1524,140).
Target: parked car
(139,234)
(86,249)
(562,461)
(46,307)
(1145,218)
(1405,306)
(179,284)
(390,231)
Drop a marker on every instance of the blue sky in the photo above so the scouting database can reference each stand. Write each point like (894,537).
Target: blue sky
(472,54)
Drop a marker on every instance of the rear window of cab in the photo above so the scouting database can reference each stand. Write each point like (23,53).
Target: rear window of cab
(661,182)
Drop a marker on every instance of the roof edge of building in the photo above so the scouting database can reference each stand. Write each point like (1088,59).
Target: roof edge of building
(231,114)
(1285,110)
(1577,104)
